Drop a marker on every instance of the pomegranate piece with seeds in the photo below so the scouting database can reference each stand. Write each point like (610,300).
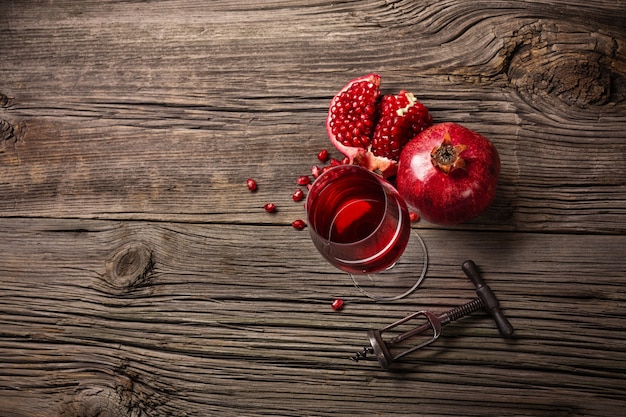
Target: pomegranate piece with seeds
(370,129)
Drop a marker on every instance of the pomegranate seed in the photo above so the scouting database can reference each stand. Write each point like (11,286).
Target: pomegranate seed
(326,168)
(298,224)
(298,195)
(316,171)
(334,162)
(337,304)
(323,155)
(251,184)
(414,217)
(303,180)
(345,161)
(270,207)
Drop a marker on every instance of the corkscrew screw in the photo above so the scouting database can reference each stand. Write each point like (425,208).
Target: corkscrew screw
(485,299)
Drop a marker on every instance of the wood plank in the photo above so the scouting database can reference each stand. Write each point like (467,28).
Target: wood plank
(166,118)
(214,320)
(139,277)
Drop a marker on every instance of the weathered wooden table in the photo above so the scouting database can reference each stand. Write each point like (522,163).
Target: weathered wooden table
(139,277)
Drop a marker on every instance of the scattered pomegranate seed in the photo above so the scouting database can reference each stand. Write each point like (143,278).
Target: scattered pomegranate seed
(326,168)
(270,207)
(323,155)
(345,161)
(298,195)
(334,162)
(337,304)
(303,180)
(316,171)
(251,184)
(298,224)
(414,217)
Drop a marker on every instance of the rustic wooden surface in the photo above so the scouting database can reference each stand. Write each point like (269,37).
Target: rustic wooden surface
(139,277)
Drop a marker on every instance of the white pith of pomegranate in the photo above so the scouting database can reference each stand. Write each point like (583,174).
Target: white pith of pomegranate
(448,174)
(371,130)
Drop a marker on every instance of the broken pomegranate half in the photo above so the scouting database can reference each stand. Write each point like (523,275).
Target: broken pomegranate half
(371,129)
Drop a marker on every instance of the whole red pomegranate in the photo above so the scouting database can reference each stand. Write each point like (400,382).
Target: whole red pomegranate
(371,129)
(448,173)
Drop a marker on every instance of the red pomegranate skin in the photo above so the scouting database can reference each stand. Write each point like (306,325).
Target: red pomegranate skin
(462,193)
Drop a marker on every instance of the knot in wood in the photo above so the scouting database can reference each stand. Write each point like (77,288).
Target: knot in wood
(562,63)
(95,402)
(7,132)
(131,266)
(4,100)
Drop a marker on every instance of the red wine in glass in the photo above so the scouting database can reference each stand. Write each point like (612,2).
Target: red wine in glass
(357,220)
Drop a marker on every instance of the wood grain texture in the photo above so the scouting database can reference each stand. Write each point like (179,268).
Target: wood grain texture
(165,118)
(183,335)
(139,277)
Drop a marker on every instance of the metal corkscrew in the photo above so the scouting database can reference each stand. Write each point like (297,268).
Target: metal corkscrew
(485,299)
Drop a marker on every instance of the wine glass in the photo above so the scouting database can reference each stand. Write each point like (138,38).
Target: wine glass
(361,225)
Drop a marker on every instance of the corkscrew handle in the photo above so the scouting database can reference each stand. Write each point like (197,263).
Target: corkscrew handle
(491,303)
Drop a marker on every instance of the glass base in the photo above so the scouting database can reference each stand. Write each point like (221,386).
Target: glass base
(400,280)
